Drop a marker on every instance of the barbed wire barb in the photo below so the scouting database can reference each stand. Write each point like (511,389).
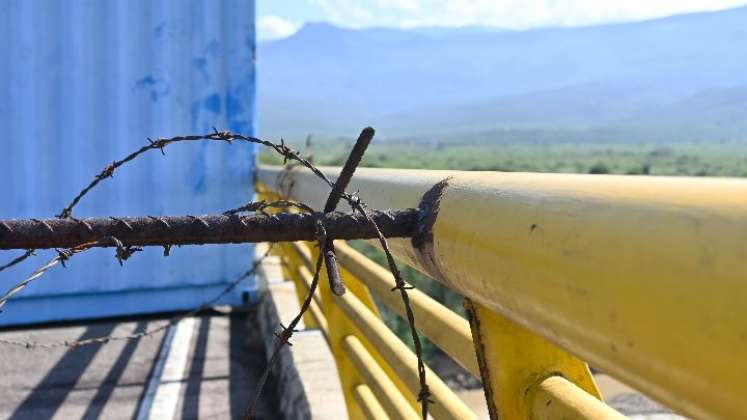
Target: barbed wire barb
(326,246)
(122,253)
(160,144)
(285,334)
(173,321)
(327,255)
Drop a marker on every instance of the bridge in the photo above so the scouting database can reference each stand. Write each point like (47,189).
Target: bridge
(578,296)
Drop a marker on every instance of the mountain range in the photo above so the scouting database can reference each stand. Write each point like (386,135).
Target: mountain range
(681,77)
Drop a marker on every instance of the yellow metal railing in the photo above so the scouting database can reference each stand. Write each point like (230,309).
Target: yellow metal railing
(361,339)
(644,277)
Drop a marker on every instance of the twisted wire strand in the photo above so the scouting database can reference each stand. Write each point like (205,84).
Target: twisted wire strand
(337,192)
(123,252)
(173,321)
(160,144)
(261,206)
(284,336)
(26,254)
(288,155)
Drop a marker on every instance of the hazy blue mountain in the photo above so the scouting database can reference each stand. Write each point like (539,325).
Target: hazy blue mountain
(577,107)
(717,113)
(330,80)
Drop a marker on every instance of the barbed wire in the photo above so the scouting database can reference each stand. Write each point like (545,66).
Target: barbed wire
(123,252)
(326,248)
(288,154)
(402,287)
(286,332)
(261,206)
(160,144)
(28,253)
(327,255)
(173,321)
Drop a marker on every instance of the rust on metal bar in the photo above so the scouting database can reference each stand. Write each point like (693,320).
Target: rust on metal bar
(330,258)
(199,230)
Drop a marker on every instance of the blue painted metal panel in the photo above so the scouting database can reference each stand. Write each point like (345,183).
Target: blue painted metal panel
(85,82)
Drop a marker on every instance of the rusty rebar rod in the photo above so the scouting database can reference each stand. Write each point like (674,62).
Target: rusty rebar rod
(354,158)
(199,230)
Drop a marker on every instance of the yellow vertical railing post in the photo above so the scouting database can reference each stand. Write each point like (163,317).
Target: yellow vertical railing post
(340,327)
(290,267)
(515,363)
(289,260)
(346,370)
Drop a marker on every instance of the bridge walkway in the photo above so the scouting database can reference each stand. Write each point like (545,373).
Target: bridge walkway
(205,367)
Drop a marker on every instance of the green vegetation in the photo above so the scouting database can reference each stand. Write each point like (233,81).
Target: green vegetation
(688,159)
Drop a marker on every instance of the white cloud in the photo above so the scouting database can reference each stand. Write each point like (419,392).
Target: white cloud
(274,27)
(349,13)
(514,14)
(411,6)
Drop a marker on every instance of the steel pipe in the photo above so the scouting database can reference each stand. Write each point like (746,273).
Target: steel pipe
(391,400)
(368,403)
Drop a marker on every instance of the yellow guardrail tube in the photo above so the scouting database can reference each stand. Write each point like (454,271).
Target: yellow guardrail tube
(642,276)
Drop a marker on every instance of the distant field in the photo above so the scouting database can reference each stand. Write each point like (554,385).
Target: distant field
(687,159)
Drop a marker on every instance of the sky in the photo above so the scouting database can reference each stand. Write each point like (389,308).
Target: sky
(281,18)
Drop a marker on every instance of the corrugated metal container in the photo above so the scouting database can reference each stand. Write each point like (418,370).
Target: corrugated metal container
(83,83)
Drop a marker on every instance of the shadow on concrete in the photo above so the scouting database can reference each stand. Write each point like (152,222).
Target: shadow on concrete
(209,386)
(47,397)
(246,365)
(112,378)
(191,406)
(248,362)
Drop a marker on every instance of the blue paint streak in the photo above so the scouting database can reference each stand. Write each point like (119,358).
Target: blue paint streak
(212,103)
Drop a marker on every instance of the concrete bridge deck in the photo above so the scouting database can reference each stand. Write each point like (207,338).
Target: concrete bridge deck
(204,368)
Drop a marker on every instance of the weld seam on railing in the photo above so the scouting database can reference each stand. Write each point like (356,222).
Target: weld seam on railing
(393,402)
(458,344)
